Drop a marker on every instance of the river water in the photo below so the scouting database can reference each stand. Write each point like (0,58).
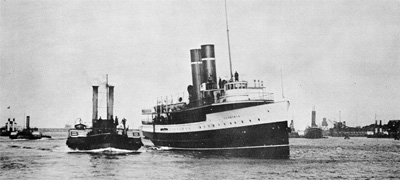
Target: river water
(329,158)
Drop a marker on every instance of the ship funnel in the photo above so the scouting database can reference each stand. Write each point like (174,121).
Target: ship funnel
(209,73)
(8,125)
(313,124)
(110,102)
(27,122)
(195,57)
(95,102)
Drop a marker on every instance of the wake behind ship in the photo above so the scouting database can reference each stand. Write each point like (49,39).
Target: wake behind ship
(225,117)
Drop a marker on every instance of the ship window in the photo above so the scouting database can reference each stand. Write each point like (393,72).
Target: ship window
(258,119)
(224,124)
(213,125)
(249,120)
(200,127)
(242,122)
(230,122)
(74,133)
(235,122)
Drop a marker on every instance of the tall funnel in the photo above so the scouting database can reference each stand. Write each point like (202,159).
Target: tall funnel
(27,122)
(209,72)
(110,102)
(8,125)
(95,102)
(195,57)
(313,118)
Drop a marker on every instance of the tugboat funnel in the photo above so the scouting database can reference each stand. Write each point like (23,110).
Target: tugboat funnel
(95,102)
(110,102)
(27,122)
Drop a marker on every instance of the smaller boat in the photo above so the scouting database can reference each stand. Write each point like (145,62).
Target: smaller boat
(28,132)
(11,126)
(104,132)
(313,132)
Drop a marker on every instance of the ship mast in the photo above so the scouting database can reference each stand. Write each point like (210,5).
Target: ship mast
(229,45)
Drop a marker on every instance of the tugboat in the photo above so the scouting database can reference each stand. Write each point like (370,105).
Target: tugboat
(10,126)
(104,132)
(226,117)
(28,132)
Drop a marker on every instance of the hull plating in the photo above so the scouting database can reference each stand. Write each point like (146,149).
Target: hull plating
(262,140)
(104,141)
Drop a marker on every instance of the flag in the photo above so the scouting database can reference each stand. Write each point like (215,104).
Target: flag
(8,107)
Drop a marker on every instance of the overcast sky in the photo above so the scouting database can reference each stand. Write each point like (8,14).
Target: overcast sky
(335,55)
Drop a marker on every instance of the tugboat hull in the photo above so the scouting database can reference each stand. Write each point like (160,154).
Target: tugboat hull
(26,135)
(99,141)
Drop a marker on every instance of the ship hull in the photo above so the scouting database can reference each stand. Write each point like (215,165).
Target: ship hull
(26,135)
(100,141)
(263,140)
(313,133)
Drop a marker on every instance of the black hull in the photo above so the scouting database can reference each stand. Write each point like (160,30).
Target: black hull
(100,141)
(313,133)
(261,140)
(25,135)
(5,133)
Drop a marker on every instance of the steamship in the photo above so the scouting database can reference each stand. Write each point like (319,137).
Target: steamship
(104,133)
(313,132)
(231,117)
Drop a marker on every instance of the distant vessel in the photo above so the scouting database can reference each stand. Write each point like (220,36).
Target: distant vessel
(313,132)
(10,126)
(104,133)
(293,133)
(67,126)
(28,132)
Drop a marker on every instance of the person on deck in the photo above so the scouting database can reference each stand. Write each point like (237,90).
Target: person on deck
(236,76)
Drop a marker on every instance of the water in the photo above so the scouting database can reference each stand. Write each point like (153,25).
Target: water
(331,158)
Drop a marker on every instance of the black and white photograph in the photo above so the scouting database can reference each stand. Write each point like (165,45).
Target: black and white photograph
(199,89)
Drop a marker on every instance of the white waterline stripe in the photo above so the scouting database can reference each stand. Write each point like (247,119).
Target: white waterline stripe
(226,148)
(197,62)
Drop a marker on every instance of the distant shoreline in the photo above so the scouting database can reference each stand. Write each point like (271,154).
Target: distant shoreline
(53,129)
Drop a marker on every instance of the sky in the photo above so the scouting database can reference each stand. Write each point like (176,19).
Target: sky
(340,56)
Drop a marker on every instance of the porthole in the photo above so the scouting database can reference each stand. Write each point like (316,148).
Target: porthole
(258,119)
(249,120)
(224,124)
(213,125)
(230,122)
(242,122)
(235,122)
